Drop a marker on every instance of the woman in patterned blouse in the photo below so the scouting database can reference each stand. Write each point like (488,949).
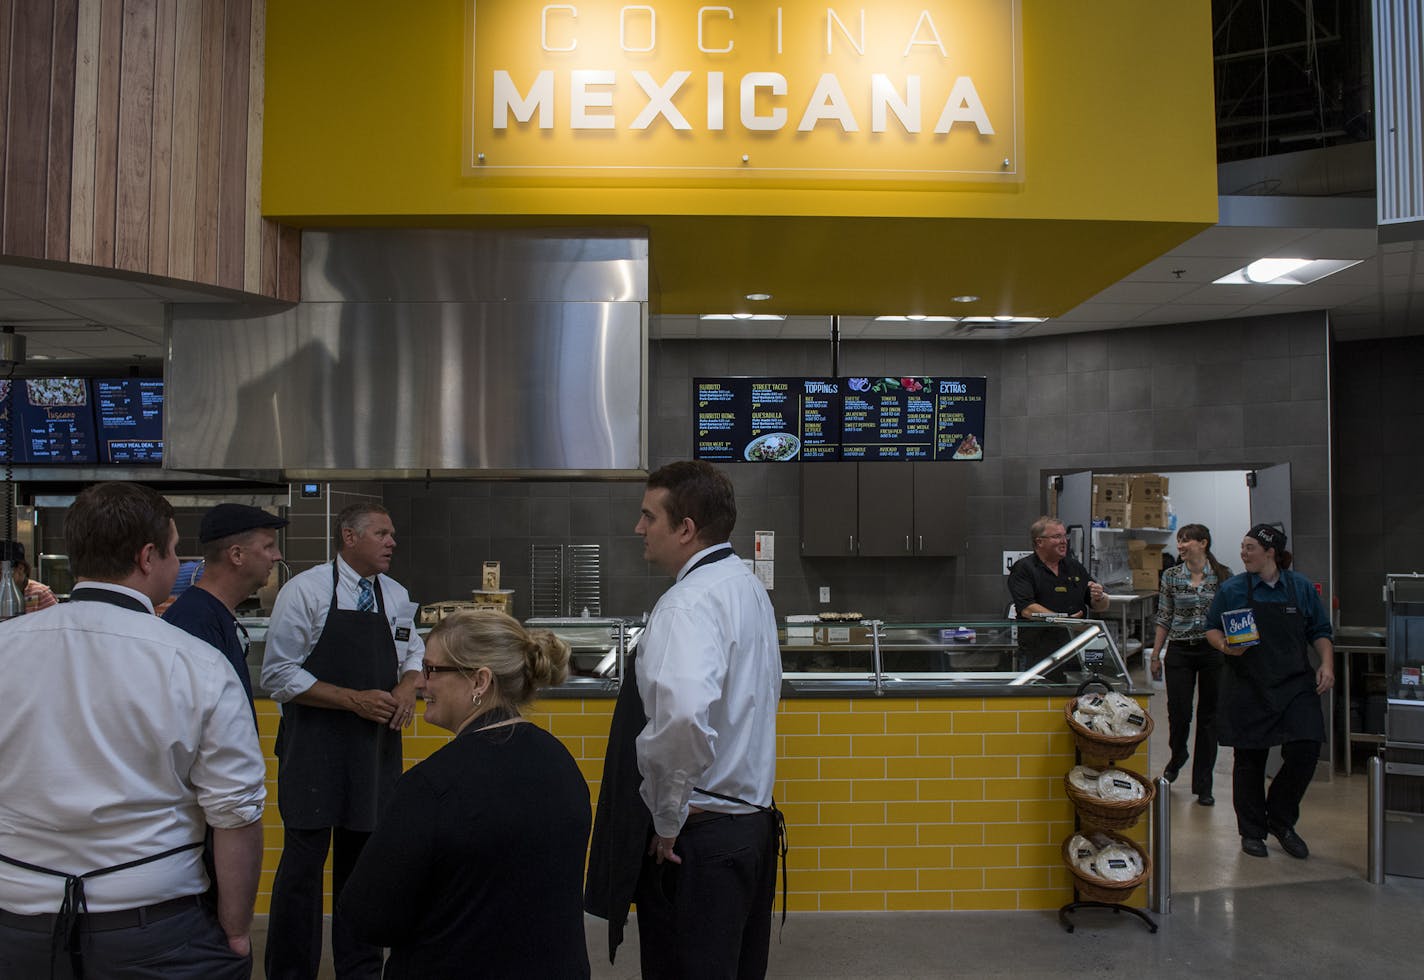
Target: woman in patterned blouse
(1186,592)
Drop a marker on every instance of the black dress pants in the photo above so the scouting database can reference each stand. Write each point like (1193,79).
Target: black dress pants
(709,918)
(1259,810)
(187,946)
(294,926)
(1193,668)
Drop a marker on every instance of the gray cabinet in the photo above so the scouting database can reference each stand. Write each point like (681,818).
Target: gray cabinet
(891,509)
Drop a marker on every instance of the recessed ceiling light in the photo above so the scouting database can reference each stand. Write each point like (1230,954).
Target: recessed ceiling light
(918,318)
(742,316)
(1284,272)
(1003,319)
(758,297)
(966,298)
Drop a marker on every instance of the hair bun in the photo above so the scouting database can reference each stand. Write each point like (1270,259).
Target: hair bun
(546,659)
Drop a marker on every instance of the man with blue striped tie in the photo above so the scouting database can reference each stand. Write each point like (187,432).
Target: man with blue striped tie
(342,658)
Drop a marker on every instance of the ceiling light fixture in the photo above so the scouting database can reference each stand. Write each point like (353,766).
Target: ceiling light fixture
(1284,272)
(1003,319)
(758,297)
(918,318)
(742,316)
(966,298)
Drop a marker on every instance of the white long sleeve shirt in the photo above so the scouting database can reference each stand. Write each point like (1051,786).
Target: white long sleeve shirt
(709,671)
(299,616)
(126,738)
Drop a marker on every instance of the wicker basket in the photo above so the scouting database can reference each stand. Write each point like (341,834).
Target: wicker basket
(1110,814)
(1109,748)
(1095,889)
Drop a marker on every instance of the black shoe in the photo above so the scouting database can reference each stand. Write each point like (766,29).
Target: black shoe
(1206,799)
(1254,846)
(1290,842)
(1170,773)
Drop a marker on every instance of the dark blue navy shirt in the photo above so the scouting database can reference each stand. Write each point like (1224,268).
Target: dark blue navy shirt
(199,612)
(1232,595)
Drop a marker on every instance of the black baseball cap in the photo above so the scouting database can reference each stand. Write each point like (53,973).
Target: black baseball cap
(225,520)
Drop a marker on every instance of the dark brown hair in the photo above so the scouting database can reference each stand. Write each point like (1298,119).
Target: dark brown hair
(1199,532)
(698,490)
(109,524)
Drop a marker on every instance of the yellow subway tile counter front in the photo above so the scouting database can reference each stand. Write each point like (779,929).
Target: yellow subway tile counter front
(942,817)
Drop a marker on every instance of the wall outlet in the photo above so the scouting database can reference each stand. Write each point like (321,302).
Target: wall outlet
(825,594)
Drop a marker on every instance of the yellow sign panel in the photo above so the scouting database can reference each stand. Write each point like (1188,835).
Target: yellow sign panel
(884,91)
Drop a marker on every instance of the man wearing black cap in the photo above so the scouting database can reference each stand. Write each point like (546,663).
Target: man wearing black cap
(239,551)
(1265,621)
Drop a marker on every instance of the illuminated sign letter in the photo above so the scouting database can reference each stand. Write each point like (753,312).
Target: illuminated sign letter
(963,105)
(701,17)
(507,97)
(832,18)
(883,94)
(660,100)
(623,28)
(714,100)
(581,100)
(925,19)
(752,81)
(544,26)
(828,102)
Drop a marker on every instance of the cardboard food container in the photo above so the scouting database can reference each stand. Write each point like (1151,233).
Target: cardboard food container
(501,600)
(489,581)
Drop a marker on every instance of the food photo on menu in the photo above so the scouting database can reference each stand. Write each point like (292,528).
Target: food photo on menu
(57,392)
(773,447)
(969,448)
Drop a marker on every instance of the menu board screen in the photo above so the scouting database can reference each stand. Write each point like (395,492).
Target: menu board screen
(5,410)
(130,420)
(781,419)
(53,421)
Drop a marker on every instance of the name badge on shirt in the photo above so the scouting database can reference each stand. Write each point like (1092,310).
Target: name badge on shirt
(402,634)
(1290,610)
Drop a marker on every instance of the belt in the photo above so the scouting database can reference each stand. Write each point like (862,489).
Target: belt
(705,816)
(105,921)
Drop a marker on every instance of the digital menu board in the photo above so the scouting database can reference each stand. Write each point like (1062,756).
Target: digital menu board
(130,420)
(53,421)
(783,419)
(5,410)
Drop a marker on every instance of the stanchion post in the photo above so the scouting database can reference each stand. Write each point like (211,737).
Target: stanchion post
(1160,893)
(1375,838)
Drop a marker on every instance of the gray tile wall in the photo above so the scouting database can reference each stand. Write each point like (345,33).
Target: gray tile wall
(1238,394)
(1379,469)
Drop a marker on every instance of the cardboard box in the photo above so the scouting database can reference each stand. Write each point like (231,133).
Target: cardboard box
(489,582)
(1148,489)
(1144,579)
(1110,514)
(500,600)
(1111,489)
(834,636)
(1148,556)
(1148,515)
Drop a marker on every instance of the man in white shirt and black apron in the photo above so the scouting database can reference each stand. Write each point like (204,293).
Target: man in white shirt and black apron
(342,657)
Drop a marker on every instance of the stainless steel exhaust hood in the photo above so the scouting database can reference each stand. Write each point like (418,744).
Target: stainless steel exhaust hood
(463,353)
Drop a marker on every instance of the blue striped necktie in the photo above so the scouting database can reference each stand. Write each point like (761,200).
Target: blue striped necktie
(365,599)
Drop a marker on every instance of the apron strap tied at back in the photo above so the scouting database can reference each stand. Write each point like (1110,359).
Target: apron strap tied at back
(781,841)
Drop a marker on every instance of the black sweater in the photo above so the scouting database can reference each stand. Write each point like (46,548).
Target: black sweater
(476,868)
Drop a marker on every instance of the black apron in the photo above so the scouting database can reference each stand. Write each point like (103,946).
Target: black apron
(622,825)
(1268,693)
(69,923)
(335,768)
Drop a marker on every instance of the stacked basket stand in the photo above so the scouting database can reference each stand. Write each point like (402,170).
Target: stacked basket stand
(1105,816)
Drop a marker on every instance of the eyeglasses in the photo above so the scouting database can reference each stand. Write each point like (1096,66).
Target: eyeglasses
(1053,537)
(429,668)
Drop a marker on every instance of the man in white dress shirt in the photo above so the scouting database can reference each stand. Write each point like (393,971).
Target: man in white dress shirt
(125,741)
(708,671)
(342,658)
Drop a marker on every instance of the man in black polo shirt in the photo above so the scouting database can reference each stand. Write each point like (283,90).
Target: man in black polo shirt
(239,549)
(1050,582)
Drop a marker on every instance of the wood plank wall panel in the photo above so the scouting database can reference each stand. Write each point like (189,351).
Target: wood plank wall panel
(61,129)
(106,131)
(86,109)
(131,139)
(135,143)
(31,28)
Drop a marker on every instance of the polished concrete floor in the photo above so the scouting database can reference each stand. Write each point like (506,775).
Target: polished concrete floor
(1230,915)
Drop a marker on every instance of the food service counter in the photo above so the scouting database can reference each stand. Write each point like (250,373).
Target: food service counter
(919,767)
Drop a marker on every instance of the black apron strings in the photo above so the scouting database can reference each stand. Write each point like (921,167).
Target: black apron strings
(74,905)
(781,841)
